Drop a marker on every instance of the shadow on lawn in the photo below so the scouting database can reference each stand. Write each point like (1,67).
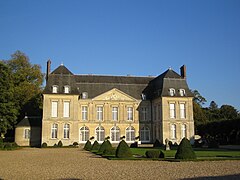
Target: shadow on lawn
(234,176)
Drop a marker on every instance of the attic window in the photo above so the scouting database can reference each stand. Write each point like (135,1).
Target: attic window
(182,92)
(66,89)
(143,96)
(84,95)
(171,92)
(54,89)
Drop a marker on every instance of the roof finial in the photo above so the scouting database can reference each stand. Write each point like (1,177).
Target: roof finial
(170,68)
(61,63)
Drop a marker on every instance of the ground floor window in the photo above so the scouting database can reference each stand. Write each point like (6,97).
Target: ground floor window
(173,131)
(115,133)
(66,131)
(100,133)
(145,134)
(130,134)
(26,133)
(54,131)
(84,133)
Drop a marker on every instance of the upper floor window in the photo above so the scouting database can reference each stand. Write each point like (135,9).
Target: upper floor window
(182,92)
(54,89)
(66,89)
(84,113)
(130,113)
(99,113)
(115,113)
(182,111)
(172,110)
(84,95)
(54,109)
(144,113)
(171,92)
(66,109)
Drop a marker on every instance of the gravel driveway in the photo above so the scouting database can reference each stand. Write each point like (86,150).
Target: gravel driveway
(74,163)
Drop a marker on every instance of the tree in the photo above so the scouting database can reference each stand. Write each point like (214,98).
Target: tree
(199,114)
(228,112)
(8,111)
(198,98)
(27,81)
(213,105)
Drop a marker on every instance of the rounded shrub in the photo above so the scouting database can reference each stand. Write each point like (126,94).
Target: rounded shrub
(60,144)
(105,145)
(123,150)
(154,154)
(185,150)
(88,146)
(110,151)
(95,146)
(44,145)
(7,145)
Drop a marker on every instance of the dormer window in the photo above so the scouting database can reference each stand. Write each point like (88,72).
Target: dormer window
(144,97)
(54,89)
(66,89)
(84,95)
(171,92)
(182,92)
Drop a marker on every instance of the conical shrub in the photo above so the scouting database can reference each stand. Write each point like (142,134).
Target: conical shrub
(105,145)
(95,146)
(88,146)
(185,150)
(123,150)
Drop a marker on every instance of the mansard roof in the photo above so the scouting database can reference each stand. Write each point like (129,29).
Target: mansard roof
(30,121)
(62,70)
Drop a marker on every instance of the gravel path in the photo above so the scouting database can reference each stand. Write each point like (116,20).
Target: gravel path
(73,163)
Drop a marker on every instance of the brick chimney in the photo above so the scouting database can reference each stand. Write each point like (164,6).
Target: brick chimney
(183,71)
(48,69)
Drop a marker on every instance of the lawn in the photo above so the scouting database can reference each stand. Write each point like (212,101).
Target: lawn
(200,152)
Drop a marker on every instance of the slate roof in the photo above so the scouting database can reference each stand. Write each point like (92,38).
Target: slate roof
(34,121)
(95,85)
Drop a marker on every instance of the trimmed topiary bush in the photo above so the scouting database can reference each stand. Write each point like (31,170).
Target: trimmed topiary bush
(88,146)
(154,154)
(44,145)
(110,151)
(185,150)
(95,146)
(123,150)
(157,143)
(60,144)
(55,145)
(105,145)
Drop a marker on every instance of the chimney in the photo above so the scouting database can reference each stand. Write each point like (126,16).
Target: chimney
(48,68)
(183,71)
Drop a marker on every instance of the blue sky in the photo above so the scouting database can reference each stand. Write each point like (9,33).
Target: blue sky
(131,37)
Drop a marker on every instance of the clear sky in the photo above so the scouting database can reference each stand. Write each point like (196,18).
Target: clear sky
(131,37)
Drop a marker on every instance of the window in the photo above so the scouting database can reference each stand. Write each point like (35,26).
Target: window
(173,131)
(115,133)
(26,133)
(84,95)
(155,112)
(144,113)
(66,130)
(172,110)
(159,112)
(84,133)
(130,113)
(171,92)
(184,130)
(54,131)
(181,92)
(182,111)
(66,89)
(115,113)
(100,113)
(100,133)
(54,89)
(54,108)
(66,109)
(84,113)
(130,134)
(144,97)
(145,134)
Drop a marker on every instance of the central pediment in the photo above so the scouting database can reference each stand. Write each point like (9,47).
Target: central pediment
(114,95)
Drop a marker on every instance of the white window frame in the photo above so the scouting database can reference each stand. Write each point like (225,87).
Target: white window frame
(66,109)
(84,95)
(54,89)
(184,130)
(171,91)
(130,113)
(182,92)
(144,133)
(130,134)
(172,110)
(66,131)
(84,134)
(173,131)
(84,113)
(115,113)
(115,134)
(27,133)
(182,107)
(100,113)
(54,109)
(100,133)
(54,131)
(66,89)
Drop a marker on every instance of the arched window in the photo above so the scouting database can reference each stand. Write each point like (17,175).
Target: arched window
(145,134)
(66,89)
(173,131)
(130,134)
(84,134)
(66,131)
(100,133)
(54,89)
(182,92)
(184,130)
(115,133)
(171,92)
(54,131)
